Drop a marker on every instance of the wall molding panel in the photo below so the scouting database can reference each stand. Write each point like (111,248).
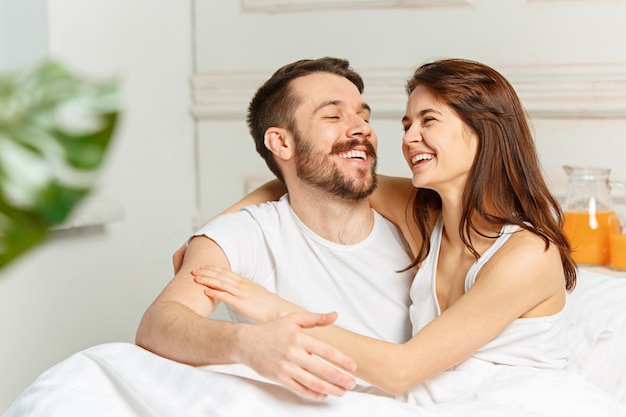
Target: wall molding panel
(571,91)
(564,91)
(223,95)
(286,6)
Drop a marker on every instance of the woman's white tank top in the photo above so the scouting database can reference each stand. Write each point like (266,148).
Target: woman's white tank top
(539,342)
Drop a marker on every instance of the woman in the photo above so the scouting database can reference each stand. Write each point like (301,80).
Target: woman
(494,264)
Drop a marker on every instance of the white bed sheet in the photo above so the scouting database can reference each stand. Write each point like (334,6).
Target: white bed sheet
(598,306)
(123,380)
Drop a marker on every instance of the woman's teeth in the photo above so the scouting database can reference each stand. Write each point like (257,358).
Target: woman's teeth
(421,157)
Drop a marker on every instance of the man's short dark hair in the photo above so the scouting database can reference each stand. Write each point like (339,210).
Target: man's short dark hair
(274,103)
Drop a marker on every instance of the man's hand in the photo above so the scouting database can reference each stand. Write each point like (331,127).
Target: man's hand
(281,351)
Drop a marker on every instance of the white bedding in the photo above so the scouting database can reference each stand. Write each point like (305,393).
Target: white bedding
(123,380)
(598,305)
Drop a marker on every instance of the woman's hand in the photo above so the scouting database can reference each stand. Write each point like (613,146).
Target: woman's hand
(248,298)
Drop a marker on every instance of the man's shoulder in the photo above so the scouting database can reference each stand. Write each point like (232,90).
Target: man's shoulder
(269,208)
(252,216)
(388,233)
(382,221)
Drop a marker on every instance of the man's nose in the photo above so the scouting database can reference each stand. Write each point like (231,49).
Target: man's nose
(360,127)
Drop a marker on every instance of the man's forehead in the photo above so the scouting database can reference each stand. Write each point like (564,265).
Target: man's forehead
(319,90)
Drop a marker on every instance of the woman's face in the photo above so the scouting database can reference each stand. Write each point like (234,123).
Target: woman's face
(439,148)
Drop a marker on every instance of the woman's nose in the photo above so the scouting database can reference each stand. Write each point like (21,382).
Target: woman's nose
(411,135)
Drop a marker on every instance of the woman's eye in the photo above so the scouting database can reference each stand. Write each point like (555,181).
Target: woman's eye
(406,128)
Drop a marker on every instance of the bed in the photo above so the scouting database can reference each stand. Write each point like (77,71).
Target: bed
(123,380)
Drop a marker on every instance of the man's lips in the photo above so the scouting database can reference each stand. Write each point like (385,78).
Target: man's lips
(355,149)
(353,153)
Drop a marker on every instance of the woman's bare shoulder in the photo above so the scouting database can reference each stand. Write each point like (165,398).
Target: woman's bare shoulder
(526,262)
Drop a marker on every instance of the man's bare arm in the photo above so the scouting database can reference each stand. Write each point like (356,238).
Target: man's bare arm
(178,326)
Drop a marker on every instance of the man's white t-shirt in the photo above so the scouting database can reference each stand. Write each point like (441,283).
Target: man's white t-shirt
(270,245)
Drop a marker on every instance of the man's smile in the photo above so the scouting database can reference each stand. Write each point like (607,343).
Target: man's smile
(353,154)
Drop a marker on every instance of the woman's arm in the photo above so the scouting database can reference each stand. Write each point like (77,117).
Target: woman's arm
(504,291)
(393,198)
(270,191)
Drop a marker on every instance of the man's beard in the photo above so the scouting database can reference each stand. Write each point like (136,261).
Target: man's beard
(318,169)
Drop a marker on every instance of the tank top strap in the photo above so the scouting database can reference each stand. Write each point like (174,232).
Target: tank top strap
(428,270)
(505,233)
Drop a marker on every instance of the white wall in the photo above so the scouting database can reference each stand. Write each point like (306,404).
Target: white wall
(23,33)
(89,286)
(566,59)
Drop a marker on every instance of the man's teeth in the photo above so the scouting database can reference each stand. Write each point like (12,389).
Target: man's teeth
(354,154)
(421,157)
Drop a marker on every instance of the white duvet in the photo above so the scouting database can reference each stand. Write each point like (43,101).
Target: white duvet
(123,380)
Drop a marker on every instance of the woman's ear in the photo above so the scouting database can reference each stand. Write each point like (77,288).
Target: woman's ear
(280,142)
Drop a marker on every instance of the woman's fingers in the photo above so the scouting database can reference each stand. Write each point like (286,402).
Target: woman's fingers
(224,280)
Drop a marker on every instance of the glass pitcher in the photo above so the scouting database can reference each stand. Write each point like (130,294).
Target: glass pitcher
(589,213)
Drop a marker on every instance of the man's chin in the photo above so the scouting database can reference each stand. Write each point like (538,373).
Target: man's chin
(359,192)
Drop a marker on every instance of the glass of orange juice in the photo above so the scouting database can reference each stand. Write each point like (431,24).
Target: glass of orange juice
(617,241)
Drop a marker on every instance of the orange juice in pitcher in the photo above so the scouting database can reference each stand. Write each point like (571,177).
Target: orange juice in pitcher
(588,212)
(588,235)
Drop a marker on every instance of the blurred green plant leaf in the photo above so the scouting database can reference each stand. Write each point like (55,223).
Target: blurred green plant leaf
(55,128)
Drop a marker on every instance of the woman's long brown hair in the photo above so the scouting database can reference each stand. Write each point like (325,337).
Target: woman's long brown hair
(505,184)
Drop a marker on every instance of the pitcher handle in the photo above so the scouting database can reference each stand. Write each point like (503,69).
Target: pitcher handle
(613,185)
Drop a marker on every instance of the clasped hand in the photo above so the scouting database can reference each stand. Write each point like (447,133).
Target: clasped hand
(247,297)
(283,352)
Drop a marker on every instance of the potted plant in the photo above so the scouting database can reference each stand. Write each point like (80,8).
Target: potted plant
(55,128)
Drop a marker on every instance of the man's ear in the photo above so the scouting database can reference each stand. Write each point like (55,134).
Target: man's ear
(280,142)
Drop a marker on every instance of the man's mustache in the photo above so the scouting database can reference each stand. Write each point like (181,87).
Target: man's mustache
(347,145)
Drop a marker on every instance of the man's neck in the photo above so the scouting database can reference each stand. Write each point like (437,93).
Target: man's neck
(333,218)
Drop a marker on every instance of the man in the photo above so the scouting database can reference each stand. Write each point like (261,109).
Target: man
(322,246)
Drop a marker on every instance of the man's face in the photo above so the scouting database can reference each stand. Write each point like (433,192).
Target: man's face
(335,145)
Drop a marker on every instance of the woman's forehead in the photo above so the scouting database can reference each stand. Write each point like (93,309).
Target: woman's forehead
(422,98)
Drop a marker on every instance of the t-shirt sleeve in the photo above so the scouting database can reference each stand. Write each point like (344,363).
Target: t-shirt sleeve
(241,238)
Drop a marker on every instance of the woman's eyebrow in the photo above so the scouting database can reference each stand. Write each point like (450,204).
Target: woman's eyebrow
(425,111)
(422,113)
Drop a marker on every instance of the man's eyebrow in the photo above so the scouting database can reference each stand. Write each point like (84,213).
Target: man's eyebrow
(327,103)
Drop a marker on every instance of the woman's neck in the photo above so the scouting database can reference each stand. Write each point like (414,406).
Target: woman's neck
(452,216)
